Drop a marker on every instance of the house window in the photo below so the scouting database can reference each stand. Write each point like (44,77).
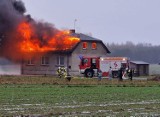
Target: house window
(60,60)
(94,45)
(30,61)
(85,45)
(45,60)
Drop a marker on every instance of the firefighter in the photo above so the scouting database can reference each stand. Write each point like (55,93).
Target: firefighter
(125,73)
(61,71)
(130,74)
(64,72)
(99,75)
(110,73)
(120,74)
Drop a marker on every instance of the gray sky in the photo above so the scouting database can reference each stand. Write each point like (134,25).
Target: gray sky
(115,21)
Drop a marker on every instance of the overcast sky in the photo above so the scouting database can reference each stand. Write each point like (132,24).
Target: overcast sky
(115,21)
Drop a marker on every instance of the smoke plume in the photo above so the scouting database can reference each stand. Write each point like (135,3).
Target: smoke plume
(12,13)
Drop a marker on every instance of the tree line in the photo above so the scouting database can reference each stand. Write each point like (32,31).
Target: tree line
(136,52)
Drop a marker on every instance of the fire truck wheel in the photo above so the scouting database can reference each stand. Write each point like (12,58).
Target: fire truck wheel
(115,74)
(89,73)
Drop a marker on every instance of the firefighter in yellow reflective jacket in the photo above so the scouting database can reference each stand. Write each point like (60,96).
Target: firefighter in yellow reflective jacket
(61,72)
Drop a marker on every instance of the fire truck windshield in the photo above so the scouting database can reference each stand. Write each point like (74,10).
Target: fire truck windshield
(84,61)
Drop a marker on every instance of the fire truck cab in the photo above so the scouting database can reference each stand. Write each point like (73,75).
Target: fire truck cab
(89,66)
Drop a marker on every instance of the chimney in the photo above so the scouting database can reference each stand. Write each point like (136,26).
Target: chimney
(72,31)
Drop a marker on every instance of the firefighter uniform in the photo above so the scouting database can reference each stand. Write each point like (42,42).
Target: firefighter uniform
(61,72)
(99,75)
(130,74)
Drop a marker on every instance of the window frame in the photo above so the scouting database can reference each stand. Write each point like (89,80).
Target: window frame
(30,62)
(60,60)
(44,60)
(94,45)
(84,45)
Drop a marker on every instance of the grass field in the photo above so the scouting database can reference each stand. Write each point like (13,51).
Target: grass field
(48,96)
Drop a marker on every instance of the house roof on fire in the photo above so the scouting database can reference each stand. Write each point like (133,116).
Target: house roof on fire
(83,38)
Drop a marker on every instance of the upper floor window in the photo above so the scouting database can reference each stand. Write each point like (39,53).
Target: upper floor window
(45,60)
(30,61)
(60,60)
(85,45)
(94,45)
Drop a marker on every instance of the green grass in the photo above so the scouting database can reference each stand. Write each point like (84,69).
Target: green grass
(50,96)
(64,99)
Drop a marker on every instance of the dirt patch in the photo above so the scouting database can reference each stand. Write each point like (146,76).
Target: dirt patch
(155,78)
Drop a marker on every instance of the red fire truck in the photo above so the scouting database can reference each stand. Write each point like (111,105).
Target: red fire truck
(89,66)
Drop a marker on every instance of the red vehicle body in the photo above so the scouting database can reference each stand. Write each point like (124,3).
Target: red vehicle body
(90,65)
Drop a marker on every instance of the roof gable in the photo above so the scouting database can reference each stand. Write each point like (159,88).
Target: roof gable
(87,38)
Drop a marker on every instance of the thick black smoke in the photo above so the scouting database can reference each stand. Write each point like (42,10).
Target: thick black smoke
(12,13)
(19,6)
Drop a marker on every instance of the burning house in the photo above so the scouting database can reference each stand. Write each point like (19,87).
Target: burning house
(48,62)
(39,47)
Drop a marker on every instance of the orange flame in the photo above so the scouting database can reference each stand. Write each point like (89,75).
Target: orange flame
(30,42)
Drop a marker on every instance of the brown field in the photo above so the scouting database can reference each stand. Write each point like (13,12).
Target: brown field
(151,80)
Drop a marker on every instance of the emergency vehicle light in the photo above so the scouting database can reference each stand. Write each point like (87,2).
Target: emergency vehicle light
(124,59)
(102,59)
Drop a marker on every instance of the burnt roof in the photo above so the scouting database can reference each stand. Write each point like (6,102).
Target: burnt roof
(82,38)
